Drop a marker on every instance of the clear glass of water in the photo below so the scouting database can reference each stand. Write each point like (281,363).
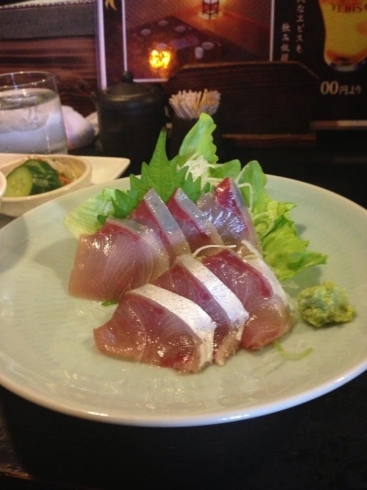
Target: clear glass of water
(31,118)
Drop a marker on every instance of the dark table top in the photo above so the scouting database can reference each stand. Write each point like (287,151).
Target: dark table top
(321,444)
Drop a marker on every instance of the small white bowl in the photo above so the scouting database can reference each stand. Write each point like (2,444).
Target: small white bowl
(2,187)
(16,206)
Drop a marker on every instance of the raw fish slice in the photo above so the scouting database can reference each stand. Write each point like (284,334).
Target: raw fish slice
(259,263)
(156,326)
(152,212)
(122,255)
(270,315)
(229,214)
(194,223)
(191,279)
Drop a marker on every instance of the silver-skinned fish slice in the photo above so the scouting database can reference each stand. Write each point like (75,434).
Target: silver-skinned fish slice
(156,326)
(194,223)
(270,312)
(191,279)
(228,212)
(153,212)
(122,255)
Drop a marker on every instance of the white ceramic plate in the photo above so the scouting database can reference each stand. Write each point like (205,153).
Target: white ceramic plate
(104,169)
(107,168)
(47,354)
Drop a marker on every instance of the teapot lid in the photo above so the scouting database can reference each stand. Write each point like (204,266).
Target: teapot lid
(127,90)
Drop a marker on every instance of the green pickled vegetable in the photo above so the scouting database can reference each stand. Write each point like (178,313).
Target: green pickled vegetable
(34,176)
(19,182)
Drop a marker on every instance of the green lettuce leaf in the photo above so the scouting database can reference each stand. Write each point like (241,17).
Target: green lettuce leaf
(283,248)
(85,218)
(198,142)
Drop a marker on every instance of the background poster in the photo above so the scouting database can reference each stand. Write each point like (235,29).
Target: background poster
(190,31)
(322,35)
(154,38)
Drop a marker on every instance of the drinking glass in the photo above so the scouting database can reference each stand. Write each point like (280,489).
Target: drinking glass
(345,23)
(31,118)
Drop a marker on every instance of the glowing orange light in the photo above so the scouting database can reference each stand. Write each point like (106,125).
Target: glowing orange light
(159,58)
(210,8)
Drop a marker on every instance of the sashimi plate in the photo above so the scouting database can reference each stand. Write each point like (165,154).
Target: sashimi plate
(47,352)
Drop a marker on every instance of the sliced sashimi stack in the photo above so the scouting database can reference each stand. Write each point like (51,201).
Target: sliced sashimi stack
(185,300)
(158,327)
(152,212)
(259,292)
(190,278)
(195,224)
(227,211)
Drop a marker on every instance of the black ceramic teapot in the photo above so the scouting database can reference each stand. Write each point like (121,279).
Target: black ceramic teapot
(130,118)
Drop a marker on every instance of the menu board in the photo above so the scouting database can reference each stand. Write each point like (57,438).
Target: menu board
(154,39)
(330,38)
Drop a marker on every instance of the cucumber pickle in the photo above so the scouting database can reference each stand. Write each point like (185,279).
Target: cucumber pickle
(32,177)
(19,182)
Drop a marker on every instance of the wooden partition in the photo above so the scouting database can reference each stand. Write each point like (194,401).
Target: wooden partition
(57,38)
(264,102)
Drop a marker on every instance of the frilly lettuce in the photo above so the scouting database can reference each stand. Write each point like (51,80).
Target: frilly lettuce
(196,170)
(282,247)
